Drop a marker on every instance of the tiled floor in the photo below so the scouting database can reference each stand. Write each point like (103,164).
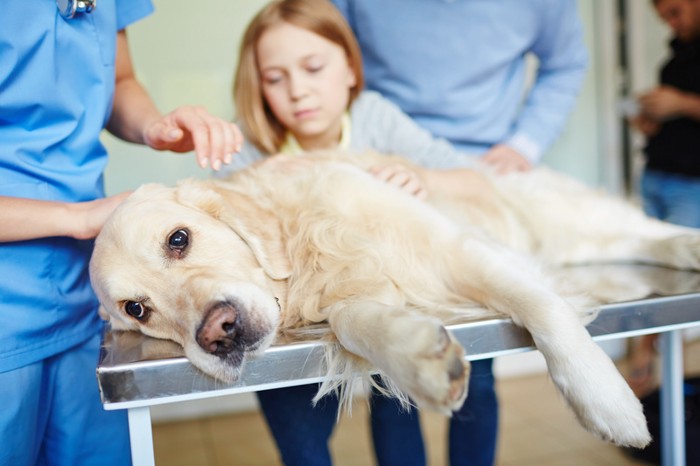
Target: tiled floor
(536,429)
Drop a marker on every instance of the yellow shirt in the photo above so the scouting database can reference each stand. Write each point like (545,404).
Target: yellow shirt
(291,145)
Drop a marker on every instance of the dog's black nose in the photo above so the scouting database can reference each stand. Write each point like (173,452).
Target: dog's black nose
(219,329)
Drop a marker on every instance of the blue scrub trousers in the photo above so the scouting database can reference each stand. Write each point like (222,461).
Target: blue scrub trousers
(51,414)
(302,432)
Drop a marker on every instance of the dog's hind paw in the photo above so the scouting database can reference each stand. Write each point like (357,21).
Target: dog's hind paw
(617,419)
(602,401)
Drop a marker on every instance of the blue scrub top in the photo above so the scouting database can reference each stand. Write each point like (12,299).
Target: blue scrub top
(56,89)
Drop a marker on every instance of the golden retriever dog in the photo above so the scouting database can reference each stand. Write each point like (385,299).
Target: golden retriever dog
(220,267)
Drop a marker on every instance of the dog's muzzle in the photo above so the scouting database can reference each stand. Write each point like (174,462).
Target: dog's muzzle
(220,332)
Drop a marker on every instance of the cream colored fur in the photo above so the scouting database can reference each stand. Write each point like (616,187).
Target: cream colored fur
(271,251)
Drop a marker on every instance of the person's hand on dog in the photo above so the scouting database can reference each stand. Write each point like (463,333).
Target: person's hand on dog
(401,177)
(505,159)
(91,216)
(188,128)
(26,219)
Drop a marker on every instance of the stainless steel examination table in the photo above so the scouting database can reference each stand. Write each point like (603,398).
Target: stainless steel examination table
(136,372)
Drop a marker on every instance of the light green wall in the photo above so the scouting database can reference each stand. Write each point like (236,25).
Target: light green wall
(577,150)
(654,48)
(185,54)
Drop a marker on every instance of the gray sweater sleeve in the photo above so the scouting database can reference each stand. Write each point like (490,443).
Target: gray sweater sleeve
(380,125)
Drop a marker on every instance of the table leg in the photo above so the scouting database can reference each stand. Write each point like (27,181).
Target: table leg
(672,400)
(141,437)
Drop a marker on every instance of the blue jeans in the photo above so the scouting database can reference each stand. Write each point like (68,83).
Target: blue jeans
(302,432)
(670,197)
(474,428)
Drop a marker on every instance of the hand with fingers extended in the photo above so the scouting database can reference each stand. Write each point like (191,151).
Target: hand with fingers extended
(401,177)
(188,128)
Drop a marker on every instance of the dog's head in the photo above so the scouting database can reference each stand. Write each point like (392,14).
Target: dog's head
(193,264)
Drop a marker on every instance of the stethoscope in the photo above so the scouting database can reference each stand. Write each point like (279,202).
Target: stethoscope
(69,8)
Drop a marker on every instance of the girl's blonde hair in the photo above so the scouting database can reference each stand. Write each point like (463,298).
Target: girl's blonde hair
(321,17)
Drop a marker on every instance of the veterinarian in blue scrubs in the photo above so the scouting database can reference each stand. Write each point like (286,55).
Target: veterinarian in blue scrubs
(458,69)
(62,80)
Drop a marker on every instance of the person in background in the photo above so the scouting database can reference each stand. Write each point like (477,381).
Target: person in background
(458,68)
(65,74)
(299,87)
(669,117)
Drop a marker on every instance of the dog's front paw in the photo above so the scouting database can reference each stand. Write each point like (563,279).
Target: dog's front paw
(432,369)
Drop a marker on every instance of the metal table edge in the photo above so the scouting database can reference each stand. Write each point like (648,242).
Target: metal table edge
(147,383)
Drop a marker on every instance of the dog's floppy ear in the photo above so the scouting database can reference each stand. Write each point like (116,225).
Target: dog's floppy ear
(104,315)
(258,227)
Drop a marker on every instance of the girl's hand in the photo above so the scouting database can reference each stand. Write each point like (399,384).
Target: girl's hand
(403,178)
(188,128)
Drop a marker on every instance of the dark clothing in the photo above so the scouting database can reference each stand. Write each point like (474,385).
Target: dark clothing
(676,147)
(302,431)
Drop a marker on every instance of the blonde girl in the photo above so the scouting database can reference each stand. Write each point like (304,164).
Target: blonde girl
(299,87)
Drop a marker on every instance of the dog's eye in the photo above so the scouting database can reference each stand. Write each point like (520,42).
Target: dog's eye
(178,240)
(135,309)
